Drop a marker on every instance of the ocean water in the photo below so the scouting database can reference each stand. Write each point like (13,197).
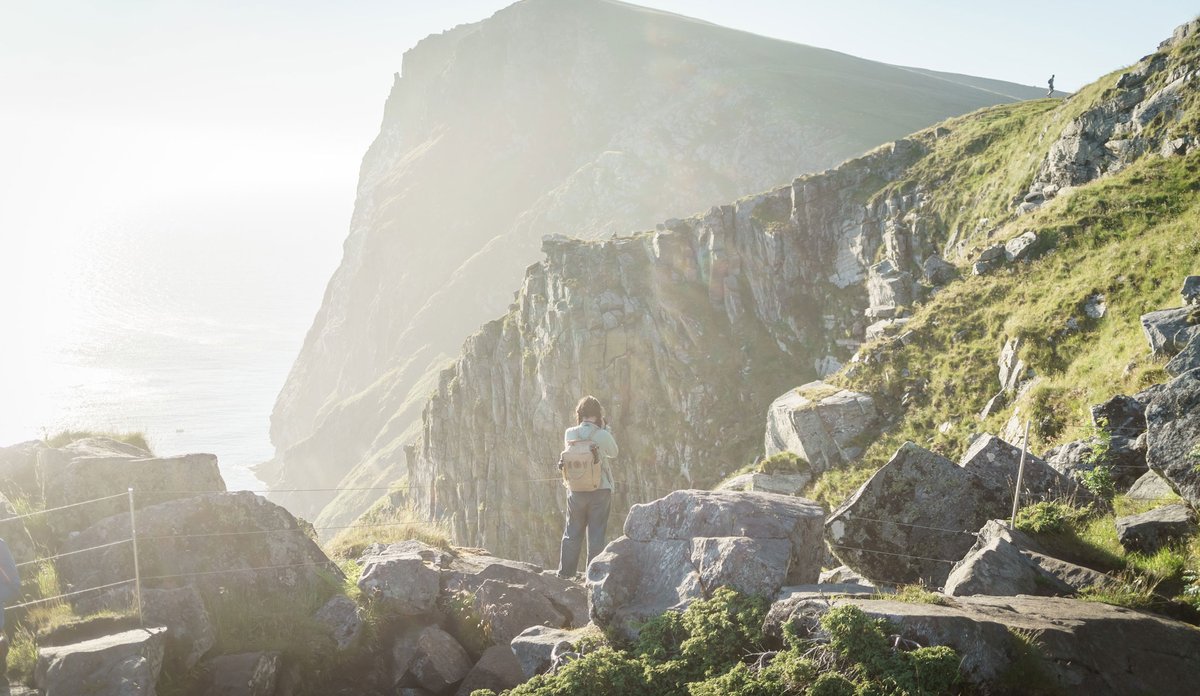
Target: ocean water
(180,320)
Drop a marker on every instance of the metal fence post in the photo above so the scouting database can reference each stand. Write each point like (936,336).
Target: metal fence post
(1012,521)
(137,570)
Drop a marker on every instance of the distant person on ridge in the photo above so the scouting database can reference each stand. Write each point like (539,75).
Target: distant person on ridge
(1050,92)
(587,475)
(10,587)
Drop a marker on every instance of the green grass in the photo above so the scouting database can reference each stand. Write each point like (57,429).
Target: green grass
(66,437)
(385,524)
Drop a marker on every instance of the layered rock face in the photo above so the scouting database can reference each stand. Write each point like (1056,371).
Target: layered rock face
(683,332)
(587,118)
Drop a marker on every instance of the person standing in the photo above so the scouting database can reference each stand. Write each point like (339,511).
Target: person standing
(1050,92)
(10,586)
(587,511)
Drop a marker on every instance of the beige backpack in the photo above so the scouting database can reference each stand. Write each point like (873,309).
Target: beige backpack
(580,466)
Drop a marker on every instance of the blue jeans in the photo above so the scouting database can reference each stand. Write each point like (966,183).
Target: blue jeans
(585,510)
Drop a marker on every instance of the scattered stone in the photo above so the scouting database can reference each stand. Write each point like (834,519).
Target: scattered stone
(1149,531)
(498,669)
(1012,367)
(1020,247)
(679,548)
(534,648)
(989,260)
(1186,359)
(341,616)
(1095,306)
(1191,290)
(1150,486)
(818,422)
(1075,638)
(244,674)
(112,665)
(938,271)
(1169,330)
(431,657)
(190,632)
(1173,435)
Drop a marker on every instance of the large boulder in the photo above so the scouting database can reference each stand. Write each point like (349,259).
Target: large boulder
(1121,416)
(1149,531)
(98,467)
(1173,435)
(682,547)
(244,674)
(1151,486)
(405,577)
(1009,562)
(820,423)
(997,463)
(1169,330)
(120,664)
(220,542)
(1085,647)
(1190,292)
(917,515)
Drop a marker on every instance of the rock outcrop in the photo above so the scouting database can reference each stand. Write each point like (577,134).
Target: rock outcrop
(1007,562)
(820,423)
(1075,639)
(586,118)
(683,547)
(1149,531)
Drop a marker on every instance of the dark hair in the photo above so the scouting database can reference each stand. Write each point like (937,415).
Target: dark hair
(589,407)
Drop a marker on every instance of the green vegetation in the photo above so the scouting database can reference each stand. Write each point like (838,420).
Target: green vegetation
(384,523)
(916,594)
(783,463)
(66,437)
(715,648)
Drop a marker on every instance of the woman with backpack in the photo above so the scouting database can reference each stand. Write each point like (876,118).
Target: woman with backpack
(589,488)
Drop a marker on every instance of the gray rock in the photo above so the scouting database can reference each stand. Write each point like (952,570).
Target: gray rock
(781,484)
(1186,359)
(1126,455)
(1151,530)
(432,658)
(936,504)
(18,465)
(818,422)
(842,575)
(405,577)
(14,532)
(888,286)
(343,619)
(679,548)
(883,327)
(1012,367)
(937,271)
(534,648)
(1009,562)
(1169,330)
(98,467)
(994,404)
(1121,415)
(996,462)
(1173,435)
(216,542)
(498,669)
(190,632)
(1095,306)
(244,674)
(121,664)
(1020,247)
(1150,486)
(1191,290)
(1154,655)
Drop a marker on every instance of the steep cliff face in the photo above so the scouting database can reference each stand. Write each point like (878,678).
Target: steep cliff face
(684,333)
(688,332)
(585,117)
